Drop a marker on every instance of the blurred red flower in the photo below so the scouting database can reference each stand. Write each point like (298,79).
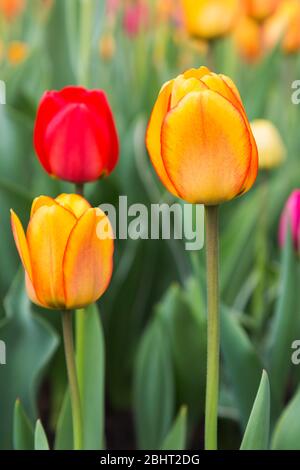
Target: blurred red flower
(290,220)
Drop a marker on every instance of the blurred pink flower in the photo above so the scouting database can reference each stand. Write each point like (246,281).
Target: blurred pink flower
(112,6)
(136,17)
(290,219)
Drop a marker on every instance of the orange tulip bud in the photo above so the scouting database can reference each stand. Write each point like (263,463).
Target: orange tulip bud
(67,259)
(261,9)
(199,139)
(11,8)
(210,18)
(248,38)
(284,26)
(17,52)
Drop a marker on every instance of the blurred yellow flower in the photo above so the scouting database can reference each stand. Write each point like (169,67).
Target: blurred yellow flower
(67,260)
(17,52)
(284,25)
(210,18)
(271,149)
(107,46)
(260,9)
(247,36)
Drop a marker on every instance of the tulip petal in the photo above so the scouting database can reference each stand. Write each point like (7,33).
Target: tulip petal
(182,86)
(206,148)
(31,292)
(47,235)
(196,73)
(88,260)
(77,159)
(41,201)
(74,203)
(21,242)
(153,135)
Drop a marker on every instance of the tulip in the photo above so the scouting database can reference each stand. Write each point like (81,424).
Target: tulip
(284,26)
(290,220)
(209,19)
(12,8)
(17,52)
(248,38)
(271,149)
(261,9)
(75,136)
(136,16)
(199,139)
(67,259)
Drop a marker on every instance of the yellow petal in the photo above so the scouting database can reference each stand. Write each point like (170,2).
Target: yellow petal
(153,136)
(31,292)
(88,260)
(21,242)
(196,73)
(206,148)
(41,201)
(182,86)
(47,235)
(73,202)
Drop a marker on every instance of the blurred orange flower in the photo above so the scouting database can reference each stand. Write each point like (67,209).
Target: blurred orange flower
(261,9)
(210,18)
(66,254)
(199,139)
(284,25)
(107,46)
(12,8)
(17,52)
(247,36)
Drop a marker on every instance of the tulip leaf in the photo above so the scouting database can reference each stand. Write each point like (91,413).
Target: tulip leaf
(287,430)
(90,366)
(64,429)
(30,344)
(40,438)
(23,438)
(176,438)
(242,364)
(256,435)
(154,386)
(283,327)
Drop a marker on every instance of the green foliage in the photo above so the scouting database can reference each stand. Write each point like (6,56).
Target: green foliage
(286,433)
(176,438)
(23,437)
(40,438)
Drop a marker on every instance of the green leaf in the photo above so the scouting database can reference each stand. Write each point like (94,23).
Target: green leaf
(64,429)
(90,359)
(22,429)
(153,386)
(176,438)
(287,430)
(30,344)
(256,436)
(283,327)
(40,438)
(242,363)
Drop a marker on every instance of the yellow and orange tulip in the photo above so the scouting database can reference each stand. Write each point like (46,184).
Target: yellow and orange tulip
(247,36)
(261,9)
(209,19)
(284,26)
(199,138)
(67,258)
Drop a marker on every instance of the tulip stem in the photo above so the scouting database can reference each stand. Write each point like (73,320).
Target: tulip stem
(213,327)
(73,381)
(79,189)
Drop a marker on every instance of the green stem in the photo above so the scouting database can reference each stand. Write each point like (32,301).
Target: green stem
(213,327)
(79,189)
(73,382)
(85,34)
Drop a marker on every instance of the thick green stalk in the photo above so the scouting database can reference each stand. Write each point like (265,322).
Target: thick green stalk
(73,381)
(213,327)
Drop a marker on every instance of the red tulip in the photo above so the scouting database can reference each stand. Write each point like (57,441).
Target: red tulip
(75,136)
(290,219)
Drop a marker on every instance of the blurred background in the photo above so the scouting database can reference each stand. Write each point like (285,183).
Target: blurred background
(153,314)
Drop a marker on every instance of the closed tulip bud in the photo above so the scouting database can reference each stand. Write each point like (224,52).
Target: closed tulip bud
(199,139)
(261,9)
(209,19)
(284,26)
(271,149)
(75,136)
(248,38)
(290,220)
(67,251)
(12,8)
(17,52)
